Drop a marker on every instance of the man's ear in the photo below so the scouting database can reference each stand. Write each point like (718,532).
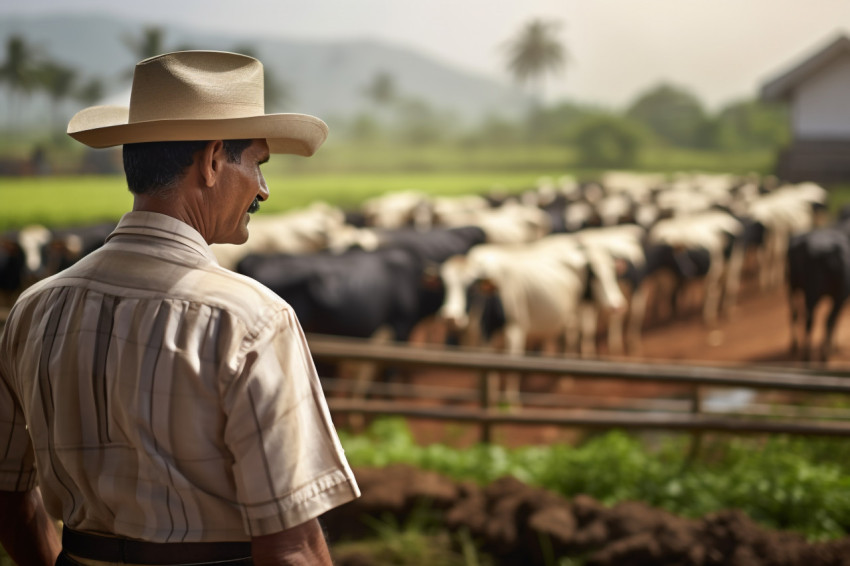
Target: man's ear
(210,161)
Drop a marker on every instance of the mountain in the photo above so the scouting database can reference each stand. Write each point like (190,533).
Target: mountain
(326,78)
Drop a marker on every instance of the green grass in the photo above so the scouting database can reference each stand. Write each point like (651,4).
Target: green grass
(66,201)
(669,160)
(61,201)
(383,158)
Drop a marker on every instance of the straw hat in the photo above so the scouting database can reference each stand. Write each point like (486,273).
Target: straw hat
(197,95)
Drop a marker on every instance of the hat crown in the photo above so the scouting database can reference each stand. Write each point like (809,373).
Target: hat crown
(197,95)
(196,85)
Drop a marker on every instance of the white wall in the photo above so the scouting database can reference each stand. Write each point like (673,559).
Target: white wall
(821,105)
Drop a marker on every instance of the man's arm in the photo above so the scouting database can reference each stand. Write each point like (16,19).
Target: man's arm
(303,545)
(27,533)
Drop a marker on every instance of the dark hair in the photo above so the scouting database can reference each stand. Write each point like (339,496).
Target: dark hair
(155,167)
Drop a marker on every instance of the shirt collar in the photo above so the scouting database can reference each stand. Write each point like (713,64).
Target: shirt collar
(165,227)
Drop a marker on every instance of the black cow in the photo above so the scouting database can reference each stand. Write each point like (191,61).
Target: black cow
(12,266)
(69,245)
(433,246)
(681,266)
(351,294)
(355,293)
(818,266)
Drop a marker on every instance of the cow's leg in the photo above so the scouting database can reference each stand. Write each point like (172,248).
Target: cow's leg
(713,292)
(733,279)
(637,309)
(589,321)
(781,258)
(811,303)
(515,337)
(616,321)
(675,302)
(827,345)
(471,336)
(368,371)
(572,335)
(763,262)
(796,302)
(771,248)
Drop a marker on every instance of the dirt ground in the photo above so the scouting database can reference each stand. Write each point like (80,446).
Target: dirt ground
(757,331)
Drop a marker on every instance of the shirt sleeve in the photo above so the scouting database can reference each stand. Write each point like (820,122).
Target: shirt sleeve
(17,459)
(289,466)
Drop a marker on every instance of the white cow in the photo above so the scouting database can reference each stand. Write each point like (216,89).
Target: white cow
(785,212)
(635,184)
(32,239)
(712,231)
(615,209)
(398,209)
(541,287)
(301,231)
(445,208)
(625,245)
(592,255)
(511,223)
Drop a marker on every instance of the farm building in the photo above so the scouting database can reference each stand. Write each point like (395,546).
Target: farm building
(818,93)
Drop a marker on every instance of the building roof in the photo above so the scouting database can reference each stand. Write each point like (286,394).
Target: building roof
(781,87)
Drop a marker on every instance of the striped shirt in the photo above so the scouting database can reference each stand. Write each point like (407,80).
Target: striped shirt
(162,397)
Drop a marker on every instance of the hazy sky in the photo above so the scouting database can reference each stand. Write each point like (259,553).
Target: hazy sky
(719,49)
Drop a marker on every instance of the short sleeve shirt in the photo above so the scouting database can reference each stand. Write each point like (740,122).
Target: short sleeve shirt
(162,397)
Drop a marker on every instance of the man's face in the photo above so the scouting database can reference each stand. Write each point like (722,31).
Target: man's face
(243,188)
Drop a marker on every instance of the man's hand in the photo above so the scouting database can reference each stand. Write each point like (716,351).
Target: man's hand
(301,545)
(27,533)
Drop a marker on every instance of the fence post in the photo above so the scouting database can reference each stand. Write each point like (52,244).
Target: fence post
(696,436)
(485,402)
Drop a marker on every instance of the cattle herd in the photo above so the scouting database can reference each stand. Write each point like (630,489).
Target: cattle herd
(554,267)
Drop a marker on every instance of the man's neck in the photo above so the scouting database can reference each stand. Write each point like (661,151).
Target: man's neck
(176,206)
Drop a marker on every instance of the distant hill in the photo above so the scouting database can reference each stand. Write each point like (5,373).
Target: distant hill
(324,77)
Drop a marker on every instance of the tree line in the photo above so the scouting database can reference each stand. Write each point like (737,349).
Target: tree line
(664,116)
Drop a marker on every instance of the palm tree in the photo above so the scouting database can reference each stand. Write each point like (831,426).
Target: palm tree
(58,82)
(18,71)
(382,89)
(150,43)
(91,92)
(534,52)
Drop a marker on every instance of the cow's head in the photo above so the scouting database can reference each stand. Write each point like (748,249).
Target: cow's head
(603,279)
(457,274)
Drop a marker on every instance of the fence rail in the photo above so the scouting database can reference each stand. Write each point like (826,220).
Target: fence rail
(807,421)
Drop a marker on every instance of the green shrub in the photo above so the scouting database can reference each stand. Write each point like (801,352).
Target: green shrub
(607,141)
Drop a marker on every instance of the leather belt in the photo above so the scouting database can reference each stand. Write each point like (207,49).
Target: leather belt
(129,551)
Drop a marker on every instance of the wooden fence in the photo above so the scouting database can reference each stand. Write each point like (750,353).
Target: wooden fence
(690,414)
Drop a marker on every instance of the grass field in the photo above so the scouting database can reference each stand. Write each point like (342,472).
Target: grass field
(67,201)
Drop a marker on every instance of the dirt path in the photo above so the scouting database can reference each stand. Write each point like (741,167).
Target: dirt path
(758,331)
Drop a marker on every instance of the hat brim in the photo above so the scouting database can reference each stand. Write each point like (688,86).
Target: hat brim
(107,126)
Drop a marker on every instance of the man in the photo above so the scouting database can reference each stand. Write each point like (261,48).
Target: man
(170,407)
